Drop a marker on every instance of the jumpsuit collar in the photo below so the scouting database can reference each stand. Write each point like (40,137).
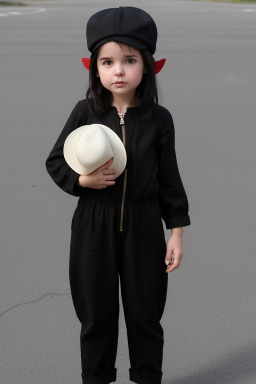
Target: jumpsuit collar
(129,109)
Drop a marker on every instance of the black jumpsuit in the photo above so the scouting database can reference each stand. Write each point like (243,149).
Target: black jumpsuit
(117,232)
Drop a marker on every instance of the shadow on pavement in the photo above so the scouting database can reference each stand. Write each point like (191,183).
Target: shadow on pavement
(238,367)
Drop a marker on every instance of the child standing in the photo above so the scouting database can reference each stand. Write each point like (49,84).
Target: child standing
(117,229)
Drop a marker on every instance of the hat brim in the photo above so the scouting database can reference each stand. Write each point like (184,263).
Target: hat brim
(119,152)
(123,40)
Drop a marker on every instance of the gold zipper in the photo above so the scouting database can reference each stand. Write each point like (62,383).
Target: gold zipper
(123,131)
(121,115)
(122,205)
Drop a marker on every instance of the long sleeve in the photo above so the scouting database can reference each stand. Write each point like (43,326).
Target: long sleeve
(171,194)
(56,165)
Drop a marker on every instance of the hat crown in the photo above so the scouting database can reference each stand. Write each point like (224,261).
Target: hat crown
(88,147)
(93,148)
(128,25)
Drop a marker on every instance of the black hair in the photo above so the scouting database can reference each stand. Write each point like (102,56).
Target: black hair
(99,98)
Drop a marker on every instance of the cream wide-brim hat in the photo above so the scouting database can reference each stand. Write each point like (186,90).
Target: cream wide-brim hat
(90,146)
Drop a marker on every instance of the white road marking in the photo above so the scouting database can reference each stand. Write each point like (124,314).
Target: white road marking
(249,10)
(30,12)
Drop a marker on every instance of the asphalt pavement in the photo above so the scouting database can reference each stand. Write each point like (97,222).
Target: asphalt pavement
(209,85)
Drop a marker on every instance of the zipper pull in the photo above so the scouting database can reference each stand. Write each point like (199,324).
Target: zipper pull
(121,115)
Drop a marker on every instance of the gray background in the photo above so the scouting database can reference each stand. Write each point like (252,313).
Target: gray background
(209,85)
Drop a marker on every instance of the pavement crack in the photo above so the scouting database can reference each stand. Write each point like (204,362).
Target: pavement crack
(34,301)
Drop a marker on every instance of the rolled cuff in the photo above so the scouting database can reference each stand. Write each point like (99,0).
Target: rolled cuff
(142,378)
(100,379)
(177,221)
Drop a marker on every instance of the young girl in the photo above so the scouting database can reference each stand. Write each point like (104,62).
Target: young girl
(117,229)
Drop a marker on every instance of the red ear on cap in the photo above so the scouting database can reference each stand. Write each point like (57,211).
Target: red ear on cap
(86,62)
(158,65)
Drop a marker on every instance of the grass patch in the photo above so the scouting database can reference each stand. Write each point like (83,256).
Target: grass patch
(11,4)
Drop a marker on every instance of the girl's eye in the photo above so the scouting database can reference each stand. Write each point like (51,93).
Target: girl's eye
(109,62)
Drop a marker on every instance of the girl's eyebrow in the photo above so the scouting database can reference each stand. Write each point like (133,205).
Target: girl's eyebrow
(111,58)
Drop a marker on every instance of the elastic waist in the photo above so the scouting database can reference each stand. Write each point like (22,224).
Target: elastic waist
(96,196)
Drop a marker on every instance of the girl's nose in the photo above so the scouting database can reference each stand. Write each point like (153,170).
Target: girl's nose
(119,70)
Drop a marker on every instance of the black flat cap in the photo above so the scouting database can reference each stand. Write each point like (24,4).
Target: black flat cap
(128,25)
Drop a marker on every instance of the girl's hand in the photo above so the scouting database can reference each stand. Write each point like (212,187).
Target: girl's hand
(174,252)
(102,177)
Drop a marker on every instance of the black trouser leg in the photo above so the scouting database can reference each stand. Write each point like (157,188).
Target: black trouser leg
(94,285)
(144,283)
(98,254)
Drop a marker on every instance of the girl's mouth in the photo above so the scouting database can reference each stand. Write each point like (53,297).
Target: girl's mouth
(119,83)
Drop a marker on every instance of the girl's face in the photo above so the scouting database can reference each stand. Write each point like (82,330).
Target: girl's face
(120,68)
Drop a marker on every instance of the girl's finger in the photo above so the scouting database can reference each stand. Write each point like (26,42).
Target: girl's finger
(173,265)
(110,177)
(170,268)
(110,182)
(109,171)
(107,164)
(170,263)
(105,185)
